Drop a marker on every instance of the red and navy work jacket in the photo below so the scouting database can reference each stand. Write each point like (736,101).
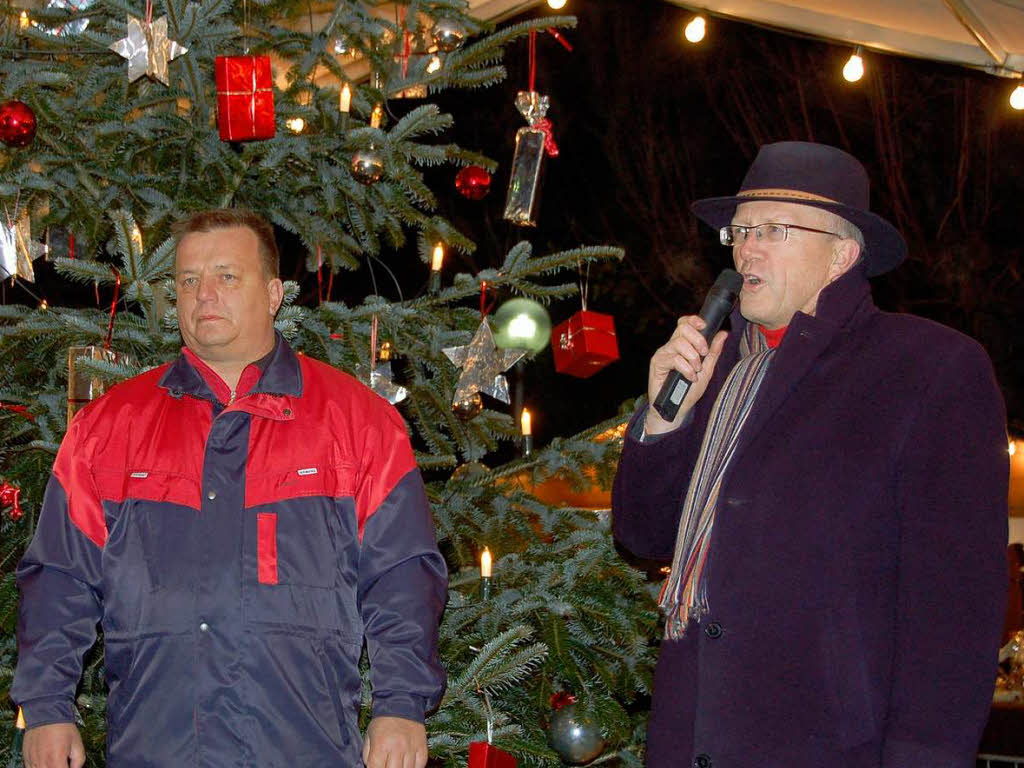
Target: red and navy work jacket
(237,551)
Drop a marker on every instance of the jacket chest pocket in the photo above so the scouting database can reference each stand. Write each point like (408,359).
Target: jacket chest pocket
(151,546)
(299,556)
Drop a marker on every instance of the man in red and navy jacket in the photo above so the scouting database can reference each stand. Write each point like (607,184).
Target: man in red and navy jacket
(239,520)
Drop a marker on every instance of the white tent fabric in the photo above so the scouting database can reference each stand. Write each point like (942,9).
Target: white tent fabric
(987,34)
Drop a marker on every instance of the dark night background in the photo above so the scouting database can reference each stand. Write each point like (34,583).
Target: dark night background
(647,122)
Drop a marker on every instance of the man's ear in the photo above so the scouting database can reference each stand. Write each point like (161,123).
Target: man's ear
(275,290)
(845,254)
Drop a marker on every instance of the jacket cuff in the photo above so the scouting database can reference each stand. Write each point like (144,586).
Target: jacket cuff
(399,704)
(636,431)
(49,710)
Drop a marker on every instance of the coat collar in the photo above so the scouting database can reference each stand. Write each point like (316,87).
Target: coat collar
(281,376)
(842,305)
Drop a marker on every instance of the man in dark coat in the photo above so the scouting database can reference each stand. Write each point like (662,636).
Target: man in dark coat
(835,487)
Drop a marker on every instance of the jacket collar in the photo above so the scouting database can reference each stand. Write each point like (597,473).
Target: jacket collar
(282,375)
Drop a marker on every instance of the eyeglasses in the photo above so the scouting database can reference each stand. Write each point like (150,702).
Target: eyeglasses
(770,232)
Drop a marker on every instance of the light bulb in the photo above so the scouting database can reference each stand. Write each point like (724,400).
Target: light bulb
(1017,97)
(853,70)
(23,20)
(295,124)
(438,257)
(434,65)
(556,4)
(345,99)
(526,424)
(695,29)
(522,327)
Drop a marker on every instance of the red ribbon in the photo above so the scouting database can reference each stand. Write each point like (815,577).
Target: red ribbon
(533,59)
(319,275)
(19,409)
(485,308)
(549,136)
(10,497)
(113,308)
(560,38)
(373,344)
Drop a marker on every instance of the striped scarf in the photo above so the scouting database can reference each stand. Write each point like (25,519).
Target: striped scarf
(684,594)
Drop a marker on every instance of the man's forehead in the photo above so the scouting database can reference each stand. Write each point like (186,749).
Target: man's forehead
(760,211)
(224,247)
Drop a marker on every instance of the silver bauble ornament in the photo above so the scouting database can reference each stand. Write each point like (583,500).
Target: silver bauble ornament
(576,739)
(468,408)
(367,166)
(447,34)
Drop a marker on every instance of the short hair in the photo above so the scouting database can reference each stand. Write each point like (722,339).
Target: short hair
(225,218)
(845,229)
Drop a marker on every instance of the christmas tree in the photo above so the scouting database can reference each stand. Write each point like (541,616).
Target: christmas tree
(119,118)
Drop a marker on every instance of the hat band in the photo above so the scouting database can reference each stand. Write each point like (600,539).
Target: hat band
(793,193)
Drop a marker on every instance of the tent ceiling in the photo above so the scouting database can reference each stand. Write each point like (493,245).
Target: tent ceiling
(988,34)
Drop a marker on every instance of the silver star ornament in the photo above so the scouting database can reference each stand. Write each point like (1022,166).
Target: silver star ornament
(148,49)
(482,366)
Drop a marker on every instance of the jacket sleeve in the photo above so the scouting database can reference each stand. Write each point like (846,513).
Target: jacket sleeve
(59,579)
(952,485)
(403,580)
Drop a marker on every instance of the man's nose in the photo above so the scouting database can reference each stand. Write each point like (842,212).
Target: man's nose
(746,250)
(206,290)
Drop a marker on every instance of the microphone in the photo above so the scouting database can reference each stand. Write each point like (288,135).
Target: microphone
(717,306)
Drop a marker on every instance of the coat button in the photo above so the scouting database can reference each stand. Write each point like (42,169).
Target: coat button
(714,631)
(204,627)
(211,495)
(287,411)
(702,761)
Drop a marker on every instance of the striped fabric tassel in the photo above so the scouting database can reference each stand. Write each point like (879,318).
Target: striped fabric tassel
(684,595)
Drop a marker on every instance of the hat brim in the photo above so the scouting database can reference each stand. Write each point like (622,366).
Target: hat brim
(884,244)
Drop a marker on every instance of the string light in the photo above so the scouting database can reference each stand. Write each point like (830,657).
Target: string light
(1017,98)
(295,124)
(376,116)
(853,70)
(434,65)
(137,237)
(345,99)
(23,20)
(44,305)
(556,4)
(485,564)
(695,29)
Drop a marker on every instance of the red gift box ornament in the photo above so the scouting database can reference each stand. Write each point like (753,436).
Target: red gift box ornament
(245,98)
(584,344)
(484,755)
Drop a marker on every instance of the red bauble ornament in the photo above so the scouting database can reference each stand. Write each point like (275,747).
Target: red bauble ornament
(9,497)
(473,182)
(17,124)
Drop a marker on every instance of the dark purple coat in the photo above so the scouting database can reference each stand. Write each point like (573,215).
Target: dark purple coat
(856,576)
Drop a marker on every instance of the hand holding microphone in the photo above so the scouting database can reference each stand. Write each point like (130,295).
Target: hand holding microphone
(680,370)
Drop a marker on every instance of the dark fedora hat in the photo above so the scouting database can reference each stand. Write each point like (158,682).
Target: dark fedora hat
(820,176)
